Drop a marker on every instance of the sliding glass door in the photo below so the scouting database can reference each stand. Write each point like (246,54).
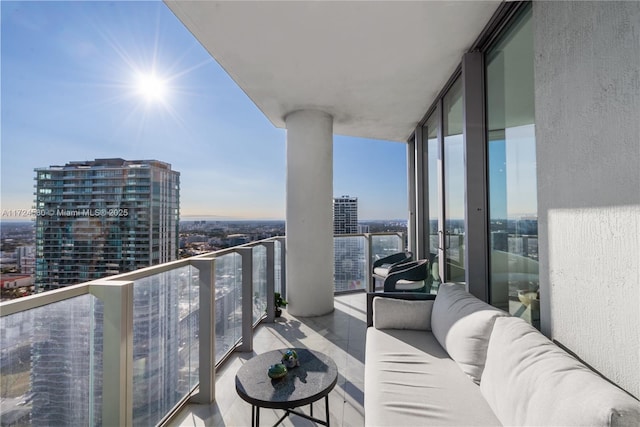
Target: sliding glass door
(434,190)
(454,190)
(505,253)
(511,165)
(446,191)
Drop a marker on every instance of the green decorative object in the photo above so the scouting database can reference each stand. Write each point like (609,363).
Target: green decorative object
(290,359)
(277,371)
(279,303)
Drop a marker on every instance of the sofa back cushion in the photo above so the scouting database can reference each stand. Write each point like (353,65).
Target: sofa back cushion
(462,325)
(390,313)
(528,380)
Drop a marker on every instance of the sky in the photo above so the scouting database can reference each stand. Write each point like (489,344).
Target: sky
(71,90)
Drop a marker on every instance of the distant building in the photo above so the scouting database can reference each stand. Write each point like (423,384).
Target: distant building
(14,285)
(104,217)
(345,215)
(238,239)
(14,281)
(349,252)
(26,259)
(94,219)
(196,238)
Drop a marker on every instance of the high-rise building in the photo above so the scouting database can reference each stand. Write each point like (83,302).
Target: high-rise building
(345,215)
(93,219)
(349,252)
(104,217)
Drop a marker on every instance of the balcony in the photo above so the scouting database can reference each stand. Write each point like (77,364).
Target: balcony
(301,76)
(339,335)
(126,349)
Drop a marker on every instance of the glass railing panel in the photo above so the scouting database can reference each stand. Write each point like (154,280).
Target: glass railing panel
(188,327)
(259,282)
(51,364)
(228,309)
(350,271)
(382,246)
(165,342)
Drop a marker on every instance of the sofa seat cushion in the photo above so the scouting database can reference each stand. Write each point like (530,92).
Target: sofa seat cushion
(410,381)
(462,324)
(528,380)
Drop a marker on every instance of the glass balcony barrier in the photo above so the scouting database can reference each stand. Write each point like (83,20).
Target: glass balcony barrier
(355,254)
(127,349)
(132,348)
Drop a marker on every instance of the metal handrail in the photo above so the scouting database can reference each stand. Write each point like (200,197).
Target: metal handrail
(14,306)
(41,299)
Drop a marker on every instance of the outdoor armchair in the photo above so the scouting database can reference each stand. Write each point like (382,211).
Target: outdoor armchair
(409,277)
(384,266)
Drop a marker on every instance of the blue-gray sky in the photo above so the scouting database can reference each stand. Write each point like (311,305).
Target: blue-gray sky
(69,91)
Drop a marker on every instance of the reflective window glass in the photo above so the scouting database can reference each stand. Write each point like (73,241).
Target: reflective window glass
(454,187)
(511,158)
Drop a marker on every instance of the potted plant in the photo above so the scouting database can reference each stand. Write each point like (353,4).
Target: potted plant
(279,303)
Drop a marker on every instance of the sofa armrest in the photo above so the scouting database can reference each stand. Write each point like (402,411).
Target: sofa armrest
(411,296)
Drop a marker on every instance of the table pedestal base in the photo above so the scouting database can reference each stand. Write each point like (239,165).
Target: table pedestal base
(255,414)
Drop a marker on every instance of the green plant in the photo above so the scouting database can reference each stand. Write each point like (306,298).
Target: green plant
(279,303)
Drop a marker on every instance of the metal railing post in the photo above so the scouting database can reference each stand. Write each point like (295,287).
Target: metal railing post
(117,356)
(206,331)
(271,281)
(369,256)
(246,255)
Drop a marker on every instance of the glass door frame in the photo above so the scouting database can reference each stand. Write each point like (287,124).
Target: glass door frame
(442,246)
(470,76)
(471,71)
(426,249)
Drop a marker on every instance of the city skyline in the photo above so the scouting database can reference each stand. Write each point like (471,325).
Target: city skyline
(83,80)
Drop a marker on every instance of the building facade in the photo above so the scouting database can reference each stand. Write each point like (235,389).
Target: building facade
(104,217)
(349,252)
(26,259)
(345,215)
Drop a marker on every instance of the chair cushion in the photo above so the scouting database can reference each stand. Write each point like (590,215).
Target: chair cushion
(409,285)
(410,381)
(382,270)
(528,380)
(462,324)
(391,313)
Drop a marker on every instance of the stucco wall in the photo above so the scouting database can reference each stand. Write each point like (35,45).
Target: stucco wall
(587,106)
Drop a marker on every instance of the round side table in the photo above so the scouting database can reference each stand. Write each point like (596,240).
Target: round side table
(312,380)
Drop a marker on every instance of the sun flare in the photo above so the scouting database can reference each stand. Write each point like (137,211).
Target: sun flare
(151,87)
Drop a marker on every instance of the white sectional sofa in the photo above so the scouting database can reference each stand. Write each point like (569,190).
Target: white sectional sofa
(458,361)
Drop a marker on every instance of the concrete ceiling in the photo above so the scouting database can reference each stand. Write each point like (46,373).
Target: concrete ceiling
(375,66)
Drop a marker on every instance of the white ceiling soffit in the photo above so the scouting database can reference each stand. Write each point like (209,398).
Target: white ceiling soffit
(375,66)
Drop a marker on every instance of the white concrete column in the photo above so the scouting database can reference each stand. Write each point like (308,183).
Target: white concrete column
(309,226)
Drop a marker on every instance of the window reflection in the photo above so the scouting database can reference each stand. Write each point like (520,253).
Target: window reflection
(454,188)
(433,191)
(511,157)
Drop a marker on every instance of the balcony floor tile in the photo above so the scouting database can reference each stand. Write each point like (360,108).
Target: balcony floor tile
(341,335)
